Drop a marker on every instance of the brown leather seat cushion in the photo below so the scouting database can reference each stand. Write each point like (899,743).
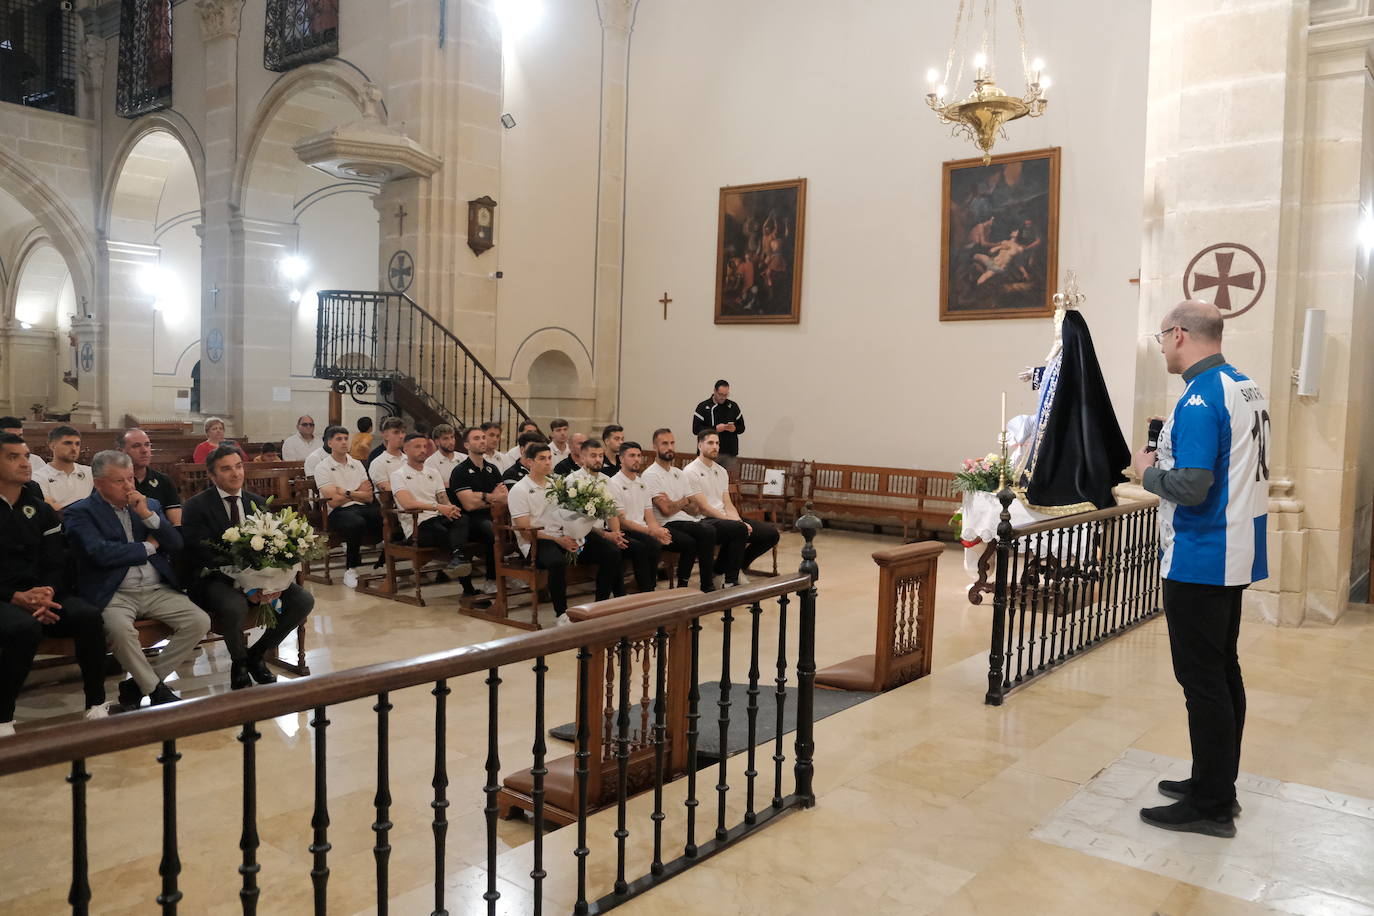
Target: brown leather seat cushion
(860,673)
(560,785)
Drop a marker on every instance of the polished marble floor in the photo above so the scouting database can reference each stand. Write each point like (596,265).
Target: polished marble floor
(927,800)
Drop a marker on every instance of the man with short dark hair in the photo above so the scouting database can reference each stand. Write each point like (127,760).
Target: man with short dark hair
(570,463)
(446,456)
(388,457)
(34,600)
(208,514)
(591,458)
(494,453)
(721,415)
(350,500)
(558,440)
(63,481)
(611,438)
(151,483)
(671,495)
(645,535)
(440,523)
(476,487)
(517,451)
(517,472)
(300,444)
(15,426)
(124,544)
(711,483)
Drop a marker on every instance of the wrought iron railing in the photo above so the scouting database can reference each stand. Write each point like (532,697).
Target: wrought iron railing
(364,336)
(299,32)
(1064,586)
(38,54)
(697,831)
(144,80)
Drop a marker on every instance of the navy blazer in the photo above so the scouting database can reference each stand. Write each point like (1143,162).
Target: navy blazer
(104,555)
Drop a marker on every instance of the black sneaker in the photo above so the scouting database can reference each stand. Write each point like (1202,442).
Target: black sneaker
(130,696)
(163,694)
(1184,818)
(1178,788)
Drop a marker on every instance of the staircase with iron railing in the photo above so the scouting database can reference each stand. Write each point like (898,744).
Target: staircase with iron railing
(419,366)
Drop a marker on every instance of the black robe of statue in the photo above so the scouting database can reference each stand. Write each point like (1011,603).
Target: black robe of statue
(1079,452)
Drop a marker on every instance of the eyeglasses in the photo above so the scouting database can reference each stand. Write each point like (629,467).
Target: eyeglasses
(1159,335)
(311,425)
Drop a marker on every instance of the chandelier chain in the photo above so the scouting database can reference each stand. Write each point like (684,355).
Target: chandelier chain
(954,45)
(1021,33)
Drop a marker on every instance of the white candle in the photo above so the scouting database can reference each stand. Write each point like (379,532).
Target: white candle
(1003,430)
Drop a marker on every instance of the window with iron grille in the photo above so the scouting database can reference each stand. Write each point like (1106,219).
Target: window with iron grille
(38,54)
(300,32)
(145,57)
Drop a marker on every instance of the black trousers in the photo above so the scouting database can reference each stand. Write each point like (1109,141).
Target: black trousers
(733,538)
(1204,624)
(481,529)
(229,608)
(450,533)
(19,637)
(553,559)
(693,541)
(643,554)
(763,537)
(353,524)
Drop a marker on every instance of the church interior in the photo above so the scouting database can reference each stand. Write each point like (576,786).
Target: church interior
(932,254)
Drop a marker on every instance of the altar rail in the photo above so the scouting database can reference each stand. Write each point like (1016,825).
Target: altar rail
(763,796)
(1066,585)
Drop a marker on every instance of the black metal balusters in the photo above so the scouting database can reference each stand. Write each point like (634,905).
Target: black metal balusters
(660,740)
(780,697)
(439,783)
(79,894)
(581,771)
(996,660)
(751,712)
(493,785)
(622,759)
(248,839)
(723,724)
(381,849)
(693,715)
(319,821)
(804,766)
(169,868)
(540,770)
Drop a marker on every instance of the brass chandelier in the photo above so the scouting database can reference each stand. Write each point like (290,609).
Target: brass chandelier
(983,114)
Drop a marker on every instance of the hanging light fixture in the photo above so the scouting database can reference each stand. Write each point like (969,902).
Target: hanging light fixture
(983,114)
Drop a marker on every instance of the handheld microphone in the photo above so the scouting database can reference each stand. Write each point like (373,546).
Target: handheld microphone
(1152,440)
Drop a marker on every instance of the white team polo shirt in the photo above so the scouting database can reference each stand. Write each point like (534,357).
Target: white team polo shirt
(383,466)
(65,487)
(347,476)
(632,496)
(313,460)
(444,466)
(559,453)
(529,500)
(424,485)
(673,484)
(502,460)
(712,482)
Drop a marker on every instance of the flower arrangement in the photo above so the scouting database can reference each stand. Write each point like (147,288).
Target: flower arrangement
(265,551)
(581,503)
(981,474)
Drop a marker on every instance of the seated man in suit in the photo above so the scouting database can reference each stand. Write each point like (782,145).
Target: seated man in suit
(205,517)
(124,544)
(33,597)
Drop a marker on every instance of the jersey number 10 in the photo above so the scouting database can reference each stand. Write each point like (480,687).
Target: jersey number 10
(1260,433)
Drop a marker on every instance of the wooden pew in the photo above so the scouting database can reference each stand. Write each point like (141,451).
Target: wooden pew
(923,498)
(315,509)
(398,549)
(780,509)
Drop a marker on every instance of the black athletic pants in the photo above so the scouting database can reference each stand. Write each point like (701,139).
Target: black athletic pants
(353,523)
(19,637)
(693,541)
(440,532)
(553,559)
(1204,624)
(643,554)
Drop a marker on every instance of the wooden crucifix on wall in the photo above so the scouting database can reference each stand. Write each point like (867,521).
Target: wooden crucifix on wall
(665,300)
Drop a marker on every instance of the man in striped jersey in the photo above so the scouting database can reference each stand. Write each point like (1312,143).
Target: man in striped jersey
(1211,474)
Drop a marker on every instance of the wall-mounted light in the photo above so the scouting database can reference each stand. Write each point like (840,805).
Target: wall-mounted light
(26,326)
(518,17)
(295,295)
(293,266)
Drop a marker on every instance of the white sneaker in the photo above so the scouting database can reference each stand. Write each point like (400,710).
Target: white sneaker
(743,579)
(6,729)
(351,579)
(562,620)
(97,712)
(718,582)
(488,587)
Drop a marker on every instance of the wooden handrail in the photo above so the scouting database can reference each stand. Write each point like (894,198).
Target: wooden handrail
(48,746)
(1084,518)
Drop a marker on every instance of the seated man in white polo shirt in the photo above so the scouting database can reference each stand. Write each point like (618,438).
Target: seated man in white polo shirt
(15,426)
(63,481)
(446,456)
(350,500)
(674,507)
(390,458)
(440,523)
(608,530)
(646,536)
(712,483)
(530,509)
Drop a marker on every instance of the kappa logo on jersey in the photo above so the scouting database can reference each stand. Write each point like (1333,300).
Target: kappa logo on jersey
(1196,401)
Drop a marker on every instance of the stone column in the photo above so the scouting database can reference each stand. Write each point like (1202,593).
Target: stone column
(221,297)
(617,21)
(255,349)
(124,355)
(86,330)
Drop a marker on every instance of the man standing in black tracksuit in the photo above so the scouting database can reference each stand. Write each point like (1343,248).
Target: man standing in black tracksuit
(722,415)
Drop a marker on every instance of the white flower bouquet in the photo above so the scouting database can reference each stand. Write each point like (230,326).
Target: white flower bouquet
(580,503)
(265,551)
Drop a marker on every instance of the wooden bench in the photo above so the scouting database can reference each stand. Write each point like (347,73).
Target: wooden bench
(512,564)
(926,499)
(397,549)
(315,508)
(750,476)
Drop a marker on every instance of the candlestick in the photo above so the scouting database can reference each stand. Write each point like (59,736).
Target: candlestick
(1004,412)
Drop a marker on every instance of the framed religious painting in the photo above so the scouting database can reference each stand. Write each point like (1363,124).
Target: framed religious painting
(999,236)
(759,253)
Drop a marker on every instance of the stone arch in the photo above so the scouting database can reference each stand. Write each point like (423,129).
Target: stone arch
(39,269)
(58,220)
(168,122)
(556,339)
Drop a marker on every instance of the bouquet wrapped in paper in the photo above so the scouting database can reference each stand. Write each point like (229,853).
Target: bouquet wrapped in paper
(265,551)
(580,504)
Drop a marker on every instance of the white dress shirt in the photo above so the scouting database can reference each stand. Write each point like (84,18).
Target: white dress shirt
(298,448)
